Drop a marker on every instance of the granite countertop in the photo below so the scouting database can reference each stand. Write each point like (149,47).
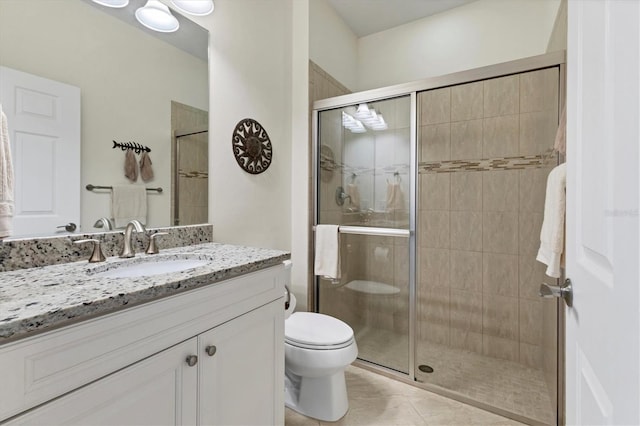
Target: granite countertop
(38,299)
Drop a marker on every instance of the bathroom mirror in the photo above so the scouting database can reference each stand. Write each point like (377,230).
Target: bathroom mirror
(135,85)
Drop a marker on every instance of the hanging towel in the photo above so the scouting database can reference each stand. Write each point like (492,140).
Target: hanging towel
(395,197)
(128,202)
(552,233)
(146,171)
(327,261)
(6,179)
(130,166)
(561,134)
(354,195)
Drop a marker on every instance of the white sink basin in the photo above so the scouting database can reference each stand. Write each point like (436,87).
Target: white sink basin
(151,267)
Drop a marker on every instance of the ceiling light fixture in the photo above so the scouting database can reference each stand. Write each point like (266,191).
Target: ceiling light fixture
(370,117)
(156,16)
(350,123)
(194,7)
(380,124)
(112,3)
(362,112)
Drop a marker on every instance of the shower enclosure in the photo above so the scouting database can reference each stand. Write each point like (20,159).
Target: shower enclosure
(189,164)
(438,187)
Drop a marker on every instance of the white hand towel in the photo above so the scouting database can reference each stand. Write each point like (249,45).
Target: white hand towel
(354,195)
(560,144)
(552,233)
(395,197)
(6,179)
(129,202)
(327,262)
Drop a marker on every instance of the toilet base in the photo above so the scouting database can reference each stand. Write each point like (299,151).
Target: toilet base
(323,398)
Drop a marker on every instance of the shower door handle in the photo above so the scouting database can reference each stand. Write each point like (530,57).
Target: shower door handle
(565,291)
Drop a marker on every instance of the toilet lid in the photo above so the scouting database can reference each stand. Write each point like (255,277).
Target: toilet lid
(311,329)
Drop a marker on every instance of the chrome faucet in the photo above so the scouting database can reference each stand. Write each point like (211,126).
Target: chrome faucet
(127,247)
(103,222)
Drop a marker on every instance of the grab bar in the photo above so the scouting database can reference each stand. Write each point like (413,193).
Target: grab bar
(379,232)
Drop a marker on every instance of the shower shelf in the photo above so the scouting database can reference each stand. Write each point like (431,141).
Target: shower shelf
(372,287)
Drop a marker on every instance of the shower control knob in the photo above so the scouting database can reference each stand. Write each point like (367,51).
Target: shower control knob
(192,360)
(210,350)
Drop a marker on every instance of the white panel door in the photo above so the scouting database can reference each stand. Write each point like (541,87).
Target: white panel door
(603,327)
(44,128)
(242,382)
(160,390)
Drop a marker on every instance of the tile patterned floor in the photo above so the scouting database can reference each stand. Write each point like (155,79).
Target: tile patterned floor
(378,400)
(504,384)
(508,385)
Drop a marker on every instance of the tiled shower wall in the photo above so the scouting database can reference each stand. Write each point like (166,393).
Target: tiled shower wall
(484,159)
(192,174)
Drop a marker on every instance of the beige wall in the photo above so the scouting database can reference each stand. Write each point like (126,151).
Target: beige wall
(300,152)
(251,71)
(332,45)
(480,33)
(558,38)
(83,53)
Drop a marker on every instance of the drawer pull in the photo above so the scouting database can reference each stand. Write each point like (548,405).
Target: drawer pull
(210,350)
(192,360)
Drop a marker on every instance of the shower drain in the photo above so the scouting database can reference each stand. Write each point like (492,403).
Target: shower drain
(425,368)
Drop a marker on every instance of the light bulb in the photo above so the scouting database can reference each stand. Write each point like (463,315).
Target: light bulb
(194,7)
(112,3)
(156,16)
(363,112)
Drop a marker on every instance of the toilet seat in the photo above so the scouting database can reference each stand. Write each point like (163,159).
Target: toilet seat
(310,330)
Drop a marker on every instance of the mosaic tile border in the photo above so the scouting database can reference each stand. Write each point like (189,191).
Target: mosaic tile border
(547,159)
(34,252)
(491,164)
(197,175)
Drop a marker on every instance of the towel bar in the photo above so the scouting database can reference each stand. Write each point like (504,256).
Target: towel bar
(91,187)
(380,232)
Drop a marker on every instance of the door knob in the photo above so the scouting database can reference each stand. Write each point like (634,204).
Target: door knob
(192,360)
(69,227)
(565,291)
(210,350)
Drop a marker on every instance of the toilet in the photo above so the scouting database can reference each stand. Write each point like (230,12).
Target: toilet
(317,350)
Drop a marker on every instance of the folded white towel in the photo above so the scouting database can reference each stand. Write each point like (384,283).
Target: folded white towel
(552,233)
(6,179)
(129,202)
(327,261)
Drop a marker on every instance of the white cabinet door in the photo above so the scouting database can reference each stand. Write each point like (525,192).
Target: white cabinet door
(242,383)
(160,390)
(44,129)
(603,187)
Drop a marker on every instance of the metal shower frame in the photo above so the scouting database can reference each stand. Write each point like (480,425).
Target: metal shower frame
(411,89)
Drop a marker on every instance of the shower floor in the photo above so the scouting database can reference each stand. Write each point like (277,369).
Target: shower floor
(499,383)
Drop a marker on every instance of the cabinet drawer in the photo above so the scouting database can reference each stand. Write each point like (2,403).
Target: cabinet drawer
(39,368)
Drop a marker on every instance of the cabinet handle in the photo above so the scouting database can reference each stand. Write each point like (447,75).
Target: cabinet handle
(192,360)
(210,350)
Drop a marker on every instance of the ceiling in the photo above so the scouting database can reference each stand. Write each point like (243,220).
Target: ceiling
(371,16)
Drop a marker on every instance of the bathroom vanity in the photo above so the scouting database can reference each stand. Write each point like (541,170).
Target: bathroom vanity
(198,346)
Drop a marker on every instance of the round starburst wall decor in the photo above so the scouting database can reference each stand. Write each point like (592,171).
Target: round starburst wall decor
(252,146)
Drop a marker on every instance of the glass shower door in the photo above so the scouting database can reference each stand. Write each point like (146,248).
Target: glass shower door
(364,186)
